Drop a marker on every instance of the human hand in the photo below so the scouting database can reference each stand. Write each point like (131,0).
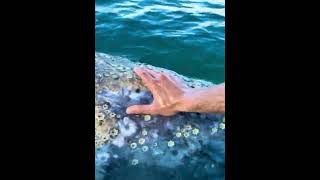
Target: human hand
(168,92)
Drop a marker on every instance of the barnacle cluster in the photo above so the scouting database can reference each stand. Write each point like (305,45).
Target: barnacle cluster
(104,124)
(186,131)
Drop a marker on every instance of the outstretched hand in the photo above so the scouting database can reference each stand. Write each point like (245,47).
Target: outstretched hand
(167,91)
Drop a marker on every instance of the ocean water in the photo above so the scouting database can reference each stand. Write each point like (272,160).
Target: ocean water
(186,36)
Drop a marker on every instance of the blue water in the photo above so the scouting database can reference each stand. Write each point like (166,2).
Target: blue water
(186,36)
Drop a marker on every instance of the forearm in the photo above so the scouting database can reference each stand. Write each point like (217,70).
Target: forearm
(204,100)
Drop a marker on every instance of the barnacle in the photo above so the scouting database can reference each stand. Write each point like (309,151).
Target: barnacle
(106,106)
(195,131)
(186,134)
(100,116)
(105,137)
(135,162)
(214,130)
(141,141)
(145,148)
(144,132)
(112,115)
(114,132)
(133,145)
(178,134)
(170,143)
(107,111)
(222,126)
(147,117)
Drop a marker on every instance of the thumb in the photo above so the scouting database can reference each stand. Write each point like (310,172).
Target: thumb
(138,109)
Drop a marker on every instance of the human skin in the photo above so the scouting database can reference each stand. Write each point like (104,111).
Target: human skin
(171,96)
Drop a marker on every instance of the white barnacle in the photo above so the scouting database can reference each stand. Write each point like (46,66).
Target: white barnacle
(145,148)
(105,137)
(133,145)
(118,116)
(105,106)
(178,134)
(195,131)
(112,115)
(107,111)
(214,130)
(186,134)
(147,117)
(155,144)
(222,126)
(170,143)
(114,132)
(135,162)
(144,132)
(100,116)
(141,141)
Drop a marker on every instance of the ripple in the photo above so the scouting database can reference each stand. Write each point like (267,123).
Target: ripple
(132,10)
(167,33)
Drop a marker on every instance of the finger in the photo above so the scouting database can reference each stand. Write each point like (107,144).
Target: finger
(165,81)
(147,79)
(153,73)
(178,81)
(139,109)
(144,74)
(168,81)
(171,85)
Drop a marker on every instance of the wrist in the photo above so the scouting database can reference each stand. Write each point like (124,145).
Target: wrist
(186,102)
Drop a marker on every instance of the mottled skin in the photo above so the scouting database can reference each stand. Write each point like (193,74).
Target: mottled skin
(117,88)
